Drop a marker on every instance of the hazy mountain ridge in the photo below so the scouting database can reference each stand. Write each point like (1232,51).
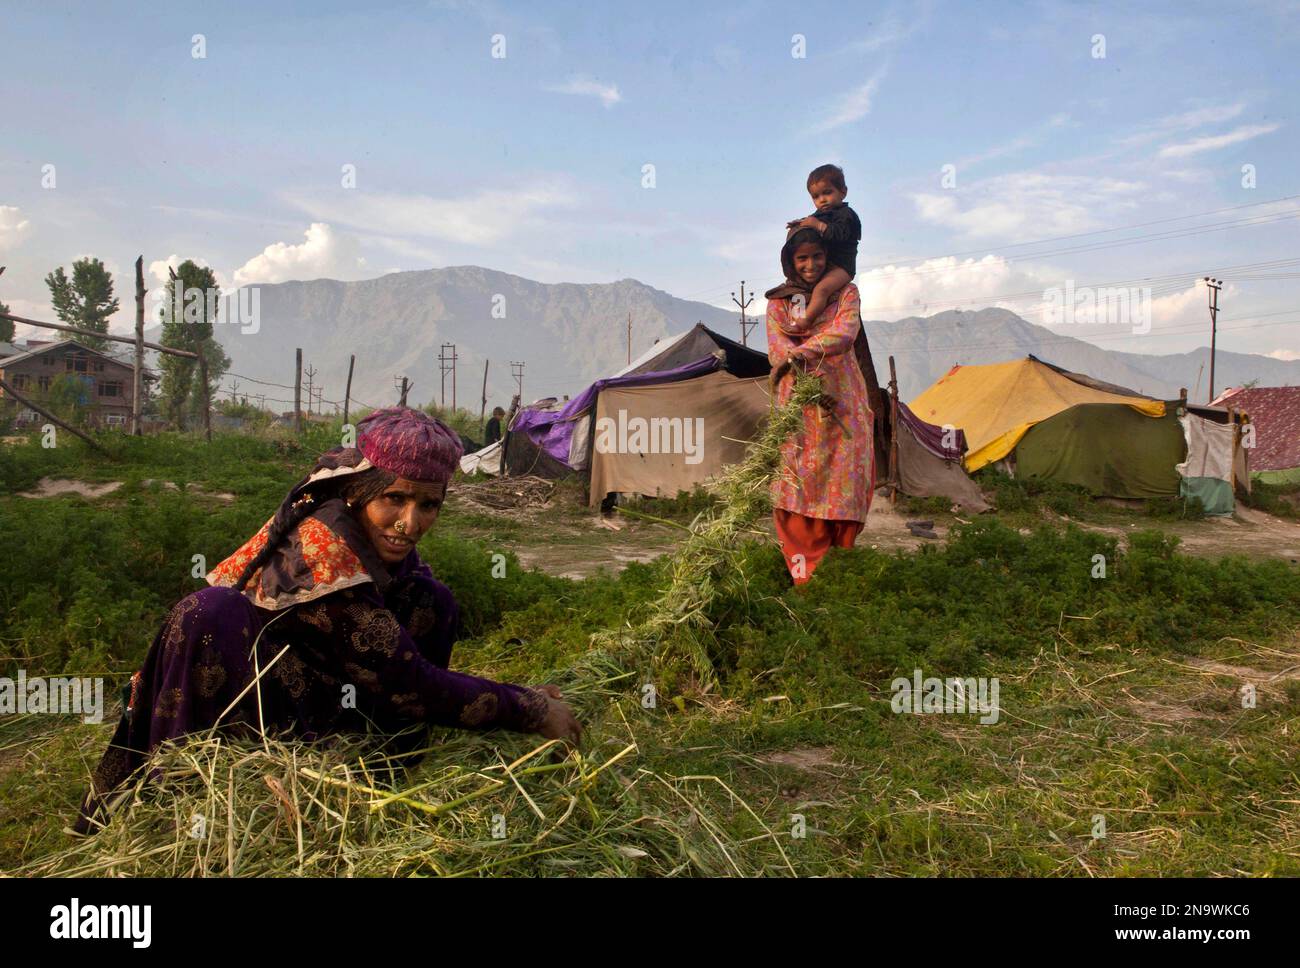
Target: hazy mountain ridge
(571,334)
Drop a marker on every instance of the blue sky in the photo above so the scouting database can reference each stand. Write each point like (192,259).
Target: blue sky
(532,163)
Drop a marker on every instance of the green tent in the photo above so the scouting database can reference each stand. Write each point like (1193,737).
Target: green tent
(1110,449)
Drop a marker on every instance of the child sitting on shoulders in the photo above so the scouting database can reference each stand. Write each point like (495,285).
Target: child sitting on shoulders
(839,226)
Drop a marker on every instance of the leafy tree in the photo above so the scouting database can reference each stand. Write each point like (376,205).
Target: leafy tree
(86,300)
(6,326)
(187,315)
(69,398)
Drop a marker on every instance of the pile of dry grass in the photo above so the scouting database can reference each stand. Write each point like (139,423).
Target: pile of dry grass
(676,626)
(505,493)
(213,806)
(218,807)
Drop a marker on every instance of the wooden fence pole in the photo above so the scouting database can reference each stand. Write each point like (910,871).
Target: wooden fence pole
(207,395)
(347,394)
(137,382)
(482,410)
(893,437)
(10,391)
(108,336)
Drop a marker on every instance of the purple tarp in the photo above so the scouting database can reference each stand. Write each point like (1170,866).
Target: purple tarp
(552,430)
(930,436)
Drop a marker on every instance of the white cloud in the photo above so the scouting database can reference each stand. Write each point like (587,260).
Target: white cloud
(854,105)
(159,269)
(324,254)
(1214,114)
(1030,204)
(480,219)
(895,292)
(892,30)
(12,226)
(1188,306)
(1210,142)
(1285,355)
(585,86)
(1017,144)
(30,309)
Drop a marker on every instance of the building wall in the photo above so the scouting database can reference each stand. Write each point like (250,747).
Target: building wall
(109,385)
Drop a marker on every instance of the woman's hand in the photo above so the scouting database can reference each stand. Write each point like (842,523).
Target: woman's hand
(779,372)
(560,723)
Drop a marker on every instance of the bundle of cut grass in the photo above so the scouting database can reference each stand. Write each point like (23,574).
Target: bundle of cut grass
(479,804)
(676,626)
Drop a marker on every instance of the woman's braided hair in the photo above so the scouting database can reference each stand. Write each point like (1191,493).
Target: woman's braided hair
(357,490)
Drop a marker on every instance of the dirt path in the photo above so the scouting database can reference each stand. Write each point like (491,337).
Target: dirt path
(56,487)
(1248,532)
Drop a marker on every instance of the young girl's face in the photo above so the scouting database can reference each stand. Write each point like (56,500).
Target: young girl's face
(825,195)
(810,262)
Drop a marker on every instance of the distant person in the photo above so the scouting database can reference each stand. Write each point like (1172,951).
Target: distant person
(330,593)
(839,227)
(823,487)
(494,427)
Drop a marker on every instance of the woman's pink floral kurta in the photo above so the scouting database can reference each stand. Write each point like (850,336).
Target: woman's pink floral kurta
(825,473)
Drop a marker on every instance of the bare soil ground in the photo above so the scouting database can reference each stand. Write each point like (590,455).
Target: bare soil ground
(56,487)
(1248,531)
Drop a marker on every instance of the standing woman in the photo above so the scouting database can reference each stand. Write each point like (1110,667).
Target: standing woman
(326,621)
(823,489)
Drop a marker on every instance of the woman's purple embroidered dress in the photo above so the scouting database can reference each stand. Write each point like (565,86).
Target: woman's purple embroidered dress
(374,651)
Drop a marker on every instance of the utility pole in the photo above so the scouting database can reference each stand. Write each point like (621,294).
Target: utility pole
(404,386)
(629,339)
(447,364)
(311,376)
(517,371)
(1213,285)
(297,392)
(743,303)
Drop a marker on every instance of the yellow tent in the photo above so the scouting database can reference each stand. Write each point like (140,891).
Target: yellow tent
(997,403)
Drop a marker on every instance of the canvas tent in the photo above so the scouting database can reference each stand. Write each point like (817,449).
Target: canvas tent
(668,421)
(1115,451)
(1071,428)
(930,462)
(996,404)
(486,461)
(663,424)
(1274,415)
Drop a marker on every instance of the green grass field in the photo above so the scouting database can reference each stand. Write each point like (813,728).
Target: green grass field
(1120,702)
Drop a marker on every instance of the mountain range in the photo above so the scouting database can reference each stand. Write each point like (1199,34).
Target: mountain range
(568,335)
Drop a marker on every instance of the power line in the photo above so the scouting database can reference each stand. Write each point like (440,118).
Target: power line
(897,262)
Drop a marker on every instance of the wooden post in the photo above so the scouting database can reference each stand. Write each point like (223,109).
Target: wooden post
(297,391)
(893,437)
(207,395)
(138,381)
(405,386)
(483,409)
(108,336)
(347,393)
(10,391)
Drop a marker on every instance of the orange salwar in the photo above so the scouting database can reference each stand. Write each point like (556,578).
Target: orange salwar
(805,540)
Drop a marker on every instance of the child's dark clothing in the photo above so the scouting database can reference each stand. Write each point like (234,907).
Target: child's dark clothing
(843,232)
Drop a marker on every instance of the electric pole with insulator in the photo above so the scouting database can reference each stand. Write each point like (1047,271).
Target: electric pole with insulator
(745,322)
(1213,286)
